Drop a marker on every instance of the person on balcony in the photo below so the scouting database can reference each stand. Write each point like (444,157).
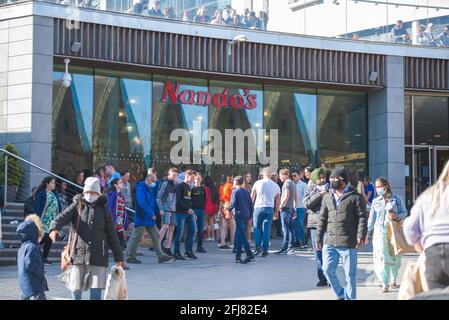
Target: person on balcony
(201,16)
(443,37)
(155,10)
(399,33)
(218,18)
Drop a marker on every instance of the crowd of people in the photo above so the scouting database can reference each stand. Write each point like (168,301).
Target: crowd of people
(324,209)
(425,35)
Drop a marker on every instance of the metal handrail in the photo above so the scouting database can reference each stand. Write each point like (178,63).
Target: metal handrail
(41,169)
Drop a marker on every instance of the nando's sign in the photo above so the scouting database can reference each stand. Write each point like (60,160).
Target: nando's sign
(204,98)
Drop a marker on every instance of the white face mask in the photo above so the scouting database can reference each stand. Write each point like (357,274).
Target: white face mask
(91,198)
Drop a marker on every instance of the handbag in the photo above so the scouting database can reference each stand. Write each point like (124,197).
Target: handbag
(69,249)
(396,238)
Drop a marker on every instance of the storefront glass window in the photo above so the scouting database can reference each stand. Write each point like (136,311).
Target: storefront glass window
(178,104)
(240,108)
(431,120)
(408,119)
(294,115)
(72,120)
(122,121)
(342,131)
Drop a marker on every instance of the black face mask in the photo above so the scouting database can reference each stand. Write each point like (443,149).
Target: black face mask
(335,184)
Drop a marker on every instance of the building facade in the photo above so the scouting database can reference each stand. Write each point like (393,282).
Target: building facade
(376,108)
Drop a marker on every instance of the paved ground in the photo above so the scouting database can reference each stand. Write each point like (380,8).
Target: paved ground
(215,275)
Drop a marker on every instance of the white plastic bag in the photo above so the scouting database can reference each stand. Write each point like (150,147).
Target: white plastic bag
(116,285)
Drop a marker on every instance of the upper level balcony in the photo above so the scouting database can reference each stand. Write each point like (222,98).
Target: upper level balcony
(398,22)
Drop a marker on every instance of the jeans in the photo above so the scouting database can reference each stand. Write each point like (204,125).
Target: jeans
(299,225)
(181,219)
(136,237)
(240,237)
(287,228)
(318,255)
(331,256)
(437,266)
(200,226)
(262,221)
(95,294)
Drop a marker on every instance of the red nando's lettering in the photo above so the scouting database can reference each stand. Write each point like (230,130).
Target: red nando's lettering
(204,98)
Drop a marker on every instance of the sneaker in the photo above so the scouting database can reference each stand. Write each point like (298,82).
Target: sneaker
(189,254)
(248,260)
(165,258)
(150,249)
(290,252)
(322,283)
(224,247)
(133,260)
(201,250)
(46,262)
(167,251)
(297,244)
(257,251)
(178,256)
(265,254)
(282,251)
(238,260)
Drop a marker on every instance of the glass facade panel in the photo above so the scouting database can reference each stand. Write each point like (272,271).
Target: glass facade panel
(408,120)
(122,122)
(294,115)
(342,130)
(72,121)
(177,105)
(431,120)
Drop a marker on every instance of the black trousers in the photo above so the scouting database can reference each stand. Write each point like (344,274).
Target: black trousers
(437,266)
(47,242)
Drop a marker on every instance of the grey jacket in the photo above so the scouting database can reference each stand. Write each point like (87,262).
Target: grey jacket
(166,196)
(96,232)
(346,224)
(312,203)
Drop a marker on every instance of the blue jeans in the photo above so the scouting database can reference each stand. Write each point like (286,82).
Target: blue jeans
(182,218)
(200,226)
(331,256)
(287,228)
(299,225)
(240,237)
(262,222)
(318,255)
(95,294)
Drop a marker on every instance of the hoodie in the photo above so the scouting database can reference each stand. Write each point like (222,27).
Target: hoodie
(29,261)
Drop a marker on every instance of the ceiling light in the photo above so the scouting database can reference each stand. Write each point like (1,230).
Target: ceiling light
(132,101)
(121,114)
(437,135)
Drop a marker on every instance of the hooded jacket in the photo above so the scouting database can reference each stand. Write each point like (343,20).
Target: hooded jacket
(145,206)
(29,261)
(96,231)
(345,223)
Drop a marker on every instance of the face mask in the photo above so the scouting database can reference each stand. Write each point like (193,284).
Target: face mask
(91,198)
(335,184)
(152,185)
(380,191)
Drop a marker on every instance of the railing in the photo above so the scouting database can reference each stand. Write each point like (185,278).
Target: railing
(17,184)
(371,20)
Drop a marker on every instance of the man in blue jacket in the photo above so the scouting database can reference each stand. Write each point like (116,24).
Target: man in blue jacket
(145,219)
(243,205)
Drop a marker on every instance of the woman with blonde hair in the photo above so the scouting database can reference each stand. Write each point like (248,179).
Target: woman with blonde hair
(385,207)
(427,229)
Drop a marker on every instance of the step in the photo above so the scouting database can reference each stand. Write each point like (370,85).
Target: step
(16,243)
(10,261)
(15,205)
(8,219)
(8,213)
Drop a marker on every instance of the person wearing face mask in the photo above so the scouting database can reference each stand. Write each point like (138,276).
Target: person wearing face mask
(95,235)
(385,207)
(145,219)
(313,196)
(344,220)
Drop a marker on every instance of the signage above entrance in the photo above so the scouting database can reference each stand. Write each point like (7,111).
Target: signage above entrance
(204,98)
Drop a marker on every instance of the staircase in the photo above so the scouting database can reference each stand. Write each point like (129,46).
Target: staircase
(12,215)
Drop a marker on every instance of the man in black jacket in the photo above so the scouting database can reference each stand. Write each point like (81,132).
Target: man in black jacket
(343,217)
(185,214)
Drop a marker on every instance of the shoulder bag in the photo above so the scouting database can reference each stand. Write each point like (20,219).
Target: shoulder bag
(69,249)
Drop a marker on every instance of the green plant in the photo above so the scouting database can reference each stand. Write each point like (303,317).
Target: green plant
(15,171)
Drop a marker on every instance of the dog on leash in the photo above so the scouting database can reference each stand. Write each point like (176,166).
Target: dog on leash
(116,285)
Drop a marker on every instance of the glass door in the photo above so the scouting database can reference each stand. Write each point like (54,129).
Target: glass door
(422,170)
(440,156)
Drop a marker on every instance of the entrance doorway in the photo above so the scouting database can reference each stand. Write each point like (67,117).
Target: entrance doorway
(423,166)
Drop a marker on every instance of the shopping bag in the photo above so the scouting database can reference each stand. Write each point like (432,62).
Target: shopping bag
(413,280)
(116,285)
(396,238)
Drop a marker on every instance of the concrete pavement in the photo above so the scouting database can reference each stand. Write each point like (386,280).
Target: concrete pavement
(215,275)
